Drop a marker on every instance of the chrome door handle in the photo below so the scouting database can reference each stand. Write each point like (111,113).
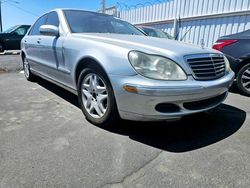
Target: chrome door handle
(38,41)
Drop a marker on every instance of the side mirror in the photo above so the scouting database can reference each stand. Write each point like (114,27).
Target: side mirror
(49,30)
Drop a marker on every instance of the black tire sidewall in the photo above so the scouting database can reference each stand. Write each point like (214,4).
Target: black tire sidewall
(239,78)
(111,114)
(3,48)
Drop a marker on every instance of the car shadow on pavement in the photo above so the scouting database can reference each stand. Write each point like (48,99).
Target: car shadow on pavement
(66,95)
(234,89)
(189,133)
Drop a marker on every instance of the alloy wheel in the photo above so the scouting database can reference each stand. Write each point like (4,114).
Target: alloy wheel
(94,95)
(245,79)
(26,68)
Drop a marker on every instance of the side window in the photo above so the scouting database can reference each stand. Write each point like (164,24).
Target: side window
(53,19)
(21,31)
(36,26)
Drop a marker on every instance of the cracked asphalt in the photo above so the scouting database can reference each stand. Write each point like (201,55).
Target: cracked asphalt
(45,141)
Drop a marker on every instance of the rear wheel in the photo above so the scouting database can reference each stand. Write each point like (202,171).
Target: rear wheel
(243,80)
(96,97)
(1,47)
(27,73)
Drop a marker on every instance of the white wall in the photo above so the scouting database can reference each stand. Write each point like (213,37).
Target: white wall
(208,19)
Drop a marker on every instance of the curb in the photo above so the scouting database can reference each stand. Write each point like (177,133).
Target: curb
(10,52)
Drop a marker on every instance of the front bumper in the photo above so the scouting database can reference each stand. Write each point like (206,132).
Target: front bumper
(176,98)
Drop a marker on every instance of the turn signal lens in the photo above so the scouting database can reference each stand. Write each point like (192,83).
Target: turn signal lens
(130,89)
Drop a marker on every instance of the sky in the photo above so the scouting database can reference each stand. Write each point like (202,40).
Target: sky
(27,11)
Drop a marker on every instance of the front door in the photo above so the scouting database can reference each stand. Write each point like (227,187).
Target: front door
(32,45)
(51,49)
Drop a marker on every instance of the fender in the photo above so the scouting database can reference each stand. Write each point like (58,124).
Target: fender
(242,62)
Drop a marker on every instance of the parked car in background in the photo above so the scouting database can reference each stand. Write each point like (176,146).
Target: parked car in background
(11,38)
(237,49)
(153,32)
(117,71)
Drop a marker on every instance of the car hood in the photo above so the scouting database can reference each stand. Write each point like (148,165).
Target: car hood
(147,44)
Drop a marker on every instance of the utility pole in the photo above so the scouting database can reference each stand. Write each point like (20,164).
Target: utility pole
(1,25)
(103,6)
(1,2)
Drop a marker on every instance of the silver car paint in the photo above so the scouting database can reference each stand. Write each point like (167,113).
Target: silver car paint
(56,59)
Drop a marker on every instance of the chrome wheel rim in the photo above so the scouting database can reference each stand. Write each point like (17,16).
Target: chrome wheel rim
(245,80)
(94,95)
(26,69)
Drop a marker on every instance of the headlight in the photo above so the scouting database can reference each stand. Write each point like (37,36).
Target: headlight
(156,67)
(227,64)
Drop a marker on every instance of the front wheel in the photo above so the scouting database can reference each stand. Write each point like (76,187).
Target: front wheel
(96,97)
(243,80)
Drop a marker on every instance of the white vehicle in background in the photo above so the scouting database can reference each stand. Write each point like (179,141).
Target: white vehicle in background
(153,32)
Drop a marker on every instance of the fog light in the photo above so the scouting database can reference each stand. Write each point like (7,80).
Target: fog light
(167,108)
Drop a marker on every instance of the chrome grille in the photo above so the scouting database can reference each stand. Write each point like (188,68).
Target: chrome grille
(206,66)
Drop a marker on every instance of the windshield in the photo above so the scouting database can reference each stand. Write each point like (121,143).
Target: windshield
(91,22)
(157,33)
(10,29)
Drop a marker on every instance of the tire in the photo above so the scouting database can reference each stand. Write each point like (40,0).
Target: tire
(27,73)
(243,80)
(2,48)
(96,97)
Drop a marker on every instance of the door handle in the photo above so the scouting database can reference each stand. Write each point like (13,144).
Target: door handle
(38,41)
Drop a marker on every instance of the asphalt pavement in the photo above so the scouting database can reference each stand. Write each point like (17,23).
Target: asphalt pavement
(45,141)
(9,62)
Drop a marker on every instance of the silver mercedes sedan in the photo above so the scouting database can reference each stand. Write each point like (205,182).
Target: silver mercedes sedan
(118,72)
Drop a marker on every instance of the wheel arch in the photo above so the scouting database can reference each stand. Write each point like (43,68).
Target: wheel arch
(242,62)
(85,62)
(23,55)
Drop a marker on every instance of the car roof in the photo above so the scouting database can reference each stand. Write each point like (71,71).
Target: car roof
(245,33)
(74,9)
(22,25)
(148,27)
